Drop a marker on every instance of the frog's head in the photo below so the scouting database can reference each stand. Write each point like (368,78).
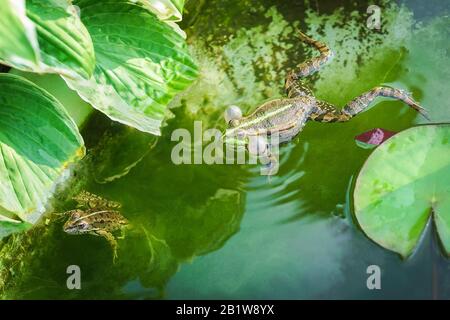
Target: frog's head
(76,225)
(234,135)
(238,135)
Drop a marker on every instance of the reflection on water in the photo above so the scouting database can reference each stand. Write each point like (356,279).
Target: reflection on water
(224,231)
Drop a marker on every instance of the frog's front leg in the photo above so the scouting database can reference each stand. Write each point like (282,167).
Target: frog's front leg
(326,112)
(258,146)
(295,87)
(111,240)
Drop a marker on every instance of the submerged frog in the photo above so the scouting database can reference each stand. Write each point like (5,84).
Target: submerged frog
(288,116)
(96,216)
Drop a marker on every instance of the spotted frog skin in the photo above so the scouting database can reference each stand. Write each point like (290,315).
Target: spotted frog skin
(95,216)
(288,116)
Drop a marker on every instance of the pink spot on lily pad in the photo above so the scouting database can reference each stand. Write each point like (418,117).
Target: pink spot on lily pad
(373,138)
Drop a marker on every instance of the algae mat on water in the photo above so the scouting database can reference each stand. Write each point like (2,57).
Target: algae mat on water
(402,183)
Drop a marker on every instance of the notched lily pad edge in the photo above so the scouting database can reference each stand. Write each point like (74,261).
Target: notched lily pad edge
(431,220)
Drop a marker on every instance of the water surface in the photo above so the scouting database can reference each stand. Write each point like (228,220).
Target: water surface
(224,231)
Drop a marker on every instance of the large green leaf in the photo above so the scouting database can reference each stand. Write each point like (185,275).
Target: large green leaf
(167,10)
(141,63)
(78,109)
(38,141)
(18,39)
(403,182)
(63,44)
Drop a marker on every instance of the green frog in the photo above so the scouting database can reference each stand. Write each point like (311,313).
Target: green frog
(96,216)
(286,117)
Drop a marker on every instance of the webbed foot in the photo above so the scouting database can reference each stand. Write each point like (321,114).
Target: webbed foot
(326,112)
(271,167)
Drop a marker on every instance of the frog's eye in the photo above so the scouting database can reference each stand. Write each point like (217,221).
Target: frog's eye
(83,225)
(233,114)
(75,215)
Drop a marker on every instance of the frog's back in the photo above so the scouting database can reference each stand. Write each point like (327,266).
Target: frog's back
(109,220)
(277,115)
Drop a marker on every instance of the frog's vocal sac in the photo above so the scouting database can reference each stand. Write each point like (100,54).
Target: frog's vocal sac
(288,116)
(95,216)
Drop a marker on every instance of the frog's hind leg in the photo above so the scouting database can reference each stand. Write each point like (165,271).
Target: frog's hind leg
(326,112)
(89,200)
(362,102)
(294,86)
(111,240)
(311,66)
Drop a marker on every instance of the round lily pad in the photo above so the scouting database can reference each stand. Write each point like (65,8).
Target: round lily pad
(403,184)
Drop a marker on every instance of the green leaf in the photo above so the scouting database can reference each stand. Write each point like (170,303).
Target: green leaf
(66,46)
(18,40)
(169,11)
(141,63)
(63,44)
(38,141)
(402,184)
(78,109)
(166,10)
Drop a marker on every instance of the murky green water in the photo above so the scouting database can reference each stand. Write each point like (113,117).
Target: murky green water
(224,231)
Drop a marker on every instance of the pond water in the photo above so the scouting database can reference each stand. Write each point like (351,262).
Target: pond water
(225,231)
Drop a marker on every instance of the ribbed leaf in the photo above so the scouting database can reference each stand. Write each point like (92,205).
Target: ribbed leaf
(18,39)
(141,63)
(63,44)
(167,10)
(38,141)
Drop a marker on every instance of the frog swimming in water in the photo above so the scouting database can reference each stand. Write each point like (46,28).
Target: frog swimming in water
(287,116)
(95,216)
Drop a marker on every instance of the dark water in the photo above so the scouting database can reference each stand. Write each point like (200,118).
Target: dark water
(224,231)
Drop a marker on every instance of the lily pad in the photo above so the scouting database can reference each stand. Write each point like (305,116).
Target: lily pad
(404,182)
(38,141)
(142,63)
